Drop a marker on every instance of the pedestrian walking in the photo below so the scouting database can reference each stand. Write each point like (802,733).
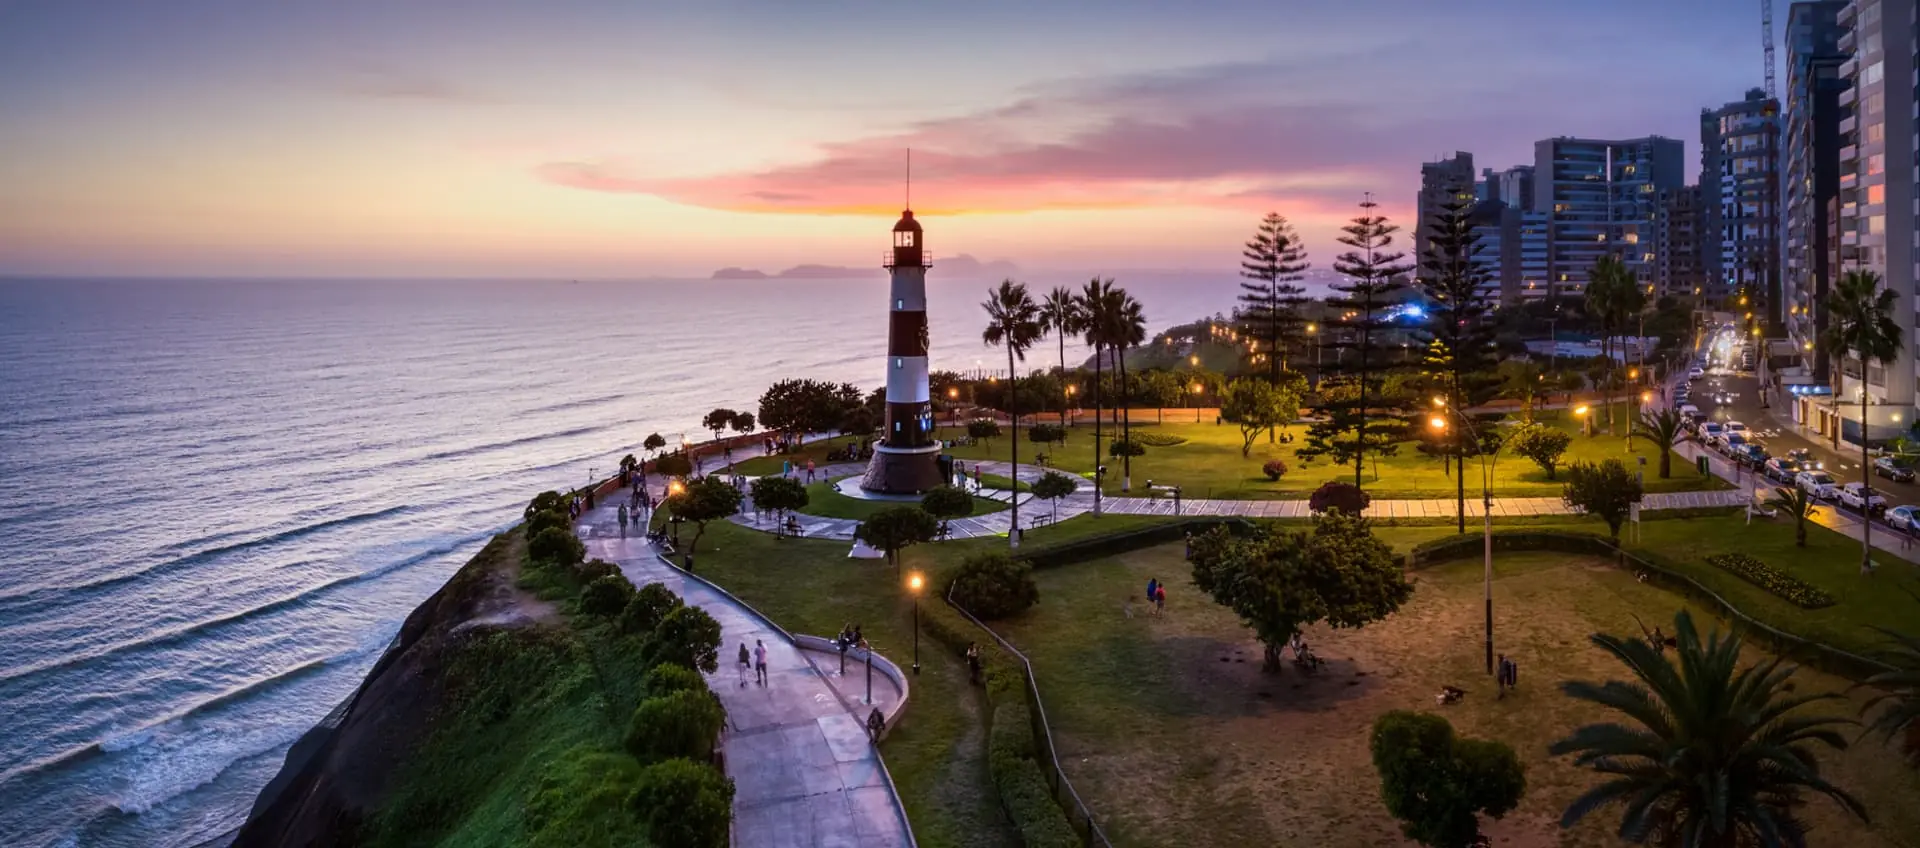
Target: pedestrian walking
(809,470)
(973,662)
(1160,600)
(1153,591)
(746,664)
(623,518)
(760,661)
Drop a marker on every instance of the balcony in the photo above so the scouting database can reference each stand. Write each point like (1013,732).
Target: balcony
(1849,123)
(1848,97)
(1850,153)
(1851,65)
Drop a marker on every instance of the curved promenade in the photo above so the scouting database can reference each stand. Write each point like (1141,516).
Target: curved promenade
(804,772)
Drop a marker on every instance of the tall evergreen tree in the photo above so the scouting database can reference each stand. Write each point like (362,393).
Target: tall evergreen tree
(1355,424)
(1458,335)
(1273,264)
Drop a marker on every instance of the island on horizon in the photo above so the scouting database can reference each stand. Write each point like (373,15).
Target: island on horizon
(960,264)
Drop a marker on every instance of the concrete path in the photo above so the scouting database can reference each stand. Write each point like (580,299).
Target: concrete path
(804,774)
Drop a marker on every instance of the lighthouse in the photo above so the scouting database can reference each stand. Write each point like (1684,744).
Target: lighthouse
(906,461)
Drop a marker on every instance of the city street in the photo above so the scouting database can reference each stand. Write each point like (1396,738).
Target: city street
(1769,420)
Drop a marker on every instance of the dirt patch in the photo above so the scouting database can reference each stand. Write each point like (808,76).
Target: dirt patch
(1173,735)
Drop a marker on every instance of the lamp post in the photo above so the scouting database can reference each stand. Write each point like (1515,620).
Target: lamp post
(1196,403)
(1313,330)
(953,404)
(1487,462)
(1586,421)
(1633,380)
(913,584)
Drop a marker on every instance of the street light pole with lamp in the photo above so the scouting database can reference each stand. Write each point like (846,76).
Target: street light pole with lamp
(913,585)
(1633,381)
(1487,462)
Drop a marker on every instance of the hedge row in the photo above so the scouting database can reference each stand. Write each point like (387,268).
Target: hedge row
(1794,590)
(1022,786)
(1512,539)
(1100,547)
(1159,440)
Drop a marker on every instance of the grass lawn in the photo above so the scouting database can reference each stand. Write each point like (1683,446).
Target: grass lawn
(761,466)
(1174,737)
(1209,464)
(824,501)
(1830,561)
(995,481)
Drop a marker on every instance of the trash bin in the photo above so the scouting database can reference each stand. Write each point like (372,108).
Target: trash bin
(1701,463)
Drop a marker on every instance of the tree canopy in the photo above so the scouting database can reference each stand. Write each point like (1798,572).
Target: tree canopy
(704,500)
(1279,580)
(1438,784)
(896,528)
(1257,406)
(1607,490)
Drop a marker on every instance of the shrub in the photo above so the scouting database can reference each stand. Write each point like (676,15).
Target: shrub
(1345,497)
(1126,447)
(1047,433)
(945,502)
(1022,786)
(582,799)
(667,679)
(994,585)
(678,724)
(983,428)
(673,465)
(556,546)
(1606,490)
(606,595)
(647,608)
(684,804)
(1274,469)
(547,519)
(1439,784)
(594,569)
(1792,589)
(547,501)
(687,636)
(1159,440)
(780,494)
(1542,444)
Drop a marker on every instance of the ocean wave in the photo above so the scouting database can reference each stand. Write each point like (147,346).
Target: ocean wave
(41,594)
(574,404)
(148,734)
(510,443)
(277,604)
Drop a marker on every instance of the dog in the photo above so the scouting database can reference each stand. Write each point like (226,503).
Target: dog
(1129,607)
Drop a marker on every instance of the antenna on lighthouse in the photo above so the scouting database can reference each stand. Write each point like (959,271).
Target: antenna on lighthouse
(909,178)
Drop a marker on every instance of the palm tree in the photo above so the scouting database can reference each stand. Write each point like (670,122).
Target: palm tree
(1860,324)
(1060,314)
(1713,756)
(1126,326)
(1899,690)
(1013,320)
(1613,295)
(1665,428)
(1092,300)
(1796,503)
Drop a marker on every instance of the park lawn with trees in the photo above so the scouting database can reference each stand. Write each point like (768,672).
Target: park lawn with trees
(760,466)
(1176,709)
(937,756)
(824,501)
(1209,465)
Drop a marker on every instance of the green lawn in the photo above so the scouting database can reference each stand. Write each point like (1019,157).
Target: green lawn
(1173,736)
(995,481)
(1209,463)
(824,501)
(761,466)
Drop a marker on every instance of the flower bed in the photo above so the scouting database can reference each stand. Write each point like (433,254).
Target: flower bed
(1792,589)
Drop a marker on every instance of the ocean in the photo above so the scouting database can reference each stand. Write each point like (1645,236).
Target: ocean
(219,500)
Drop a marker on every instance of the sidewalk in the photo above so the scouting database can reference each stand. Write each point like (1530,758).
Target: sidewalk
(804,772)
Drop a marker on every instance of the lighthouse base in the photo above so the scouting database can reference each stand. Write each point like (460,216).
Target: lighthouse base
(902,471)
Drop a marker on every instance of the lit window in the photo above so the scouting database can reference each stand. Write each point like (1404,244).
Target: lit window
(899,303)
(898,362)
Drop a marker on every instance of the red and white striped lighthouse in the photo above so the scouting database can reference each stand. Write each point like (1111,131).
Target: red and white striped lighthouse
(906,461)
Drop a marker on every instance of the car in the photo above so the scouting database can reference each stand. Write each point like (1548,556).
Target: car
(1710,432)
(1904,517)
(1781,468)
(1695,373)
(1899,469)
(1754,455)
(1732,444)
(1736,427)
(1858,496)
(1815,482)
(1689,410)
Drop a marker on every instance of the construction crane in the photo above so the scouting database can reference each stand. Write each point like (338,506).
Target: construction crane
(1766,41)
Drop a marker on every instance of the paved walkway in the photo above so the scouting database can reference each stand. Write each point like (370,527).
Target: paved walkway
(804,773)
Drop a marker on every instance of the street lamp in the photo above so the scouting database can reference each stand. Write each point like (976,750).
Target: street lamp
(1487,461)
(1587,420)
(953,404)
(1196,403)
(913,584)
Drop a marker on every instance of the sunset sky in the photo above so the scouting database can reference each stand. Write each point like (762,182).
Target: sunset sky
(624,138)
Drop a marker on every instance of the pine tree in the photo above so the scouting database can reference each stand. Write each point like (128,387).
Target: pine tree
(1355,423)
(1458,336)
(1269,312)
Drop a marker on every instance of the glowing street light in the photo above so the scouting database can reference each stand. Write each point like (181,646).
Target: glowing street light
(1438,423)
(914,583)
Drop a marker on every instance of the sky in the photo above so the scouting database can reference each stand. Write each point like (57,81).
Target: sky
(629,138)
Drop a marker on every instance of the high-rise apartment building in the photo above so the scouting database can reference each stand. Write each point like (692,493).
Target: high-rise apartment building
(1601,197)
(1810,175)
(1680,243)
(1876,197)
(1535,230)
(1441,182)
(1740,178)
(1497,226)
(1513,186)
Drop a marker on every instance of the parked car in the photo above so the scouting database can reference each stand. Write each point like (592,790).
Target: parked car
(1696,373)
(1689,410)
(1710,432)
(1895,468)
(1736,427)
(1782,468)
(1733,444)
(1752,455)
(1904,517)
(1816,482)
(1858,496)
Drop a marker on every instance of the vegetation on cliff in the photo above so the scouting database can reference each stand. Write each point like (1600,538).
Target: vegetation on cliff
(518,713)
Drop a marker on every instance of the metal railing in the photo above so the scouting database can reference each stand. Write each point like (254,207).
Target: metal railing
(1079,817)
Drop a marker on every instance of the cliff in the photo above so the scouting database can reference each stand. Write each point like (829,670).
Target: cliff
(341,776)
